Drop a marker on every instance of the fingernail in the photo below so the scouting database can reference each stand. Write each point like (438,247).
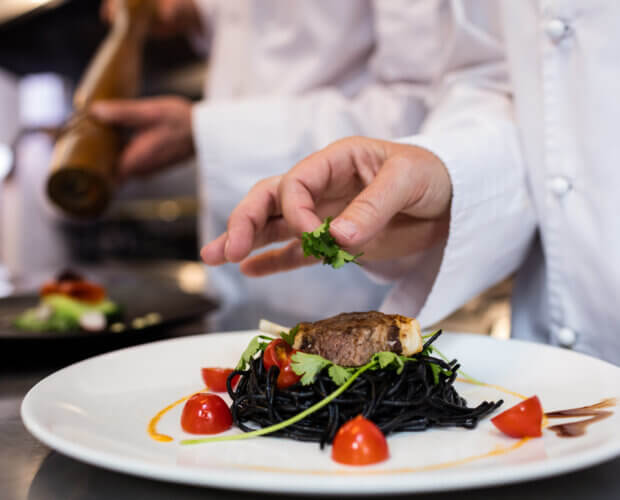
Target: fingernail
(226,245)
(345,227)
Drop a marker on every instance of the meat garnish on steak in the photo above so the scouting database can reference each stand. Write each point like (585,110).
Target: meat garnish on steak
(351,339)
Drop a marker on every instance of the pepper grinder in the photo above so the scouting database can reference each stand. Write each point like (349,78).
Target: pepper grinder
(83,165)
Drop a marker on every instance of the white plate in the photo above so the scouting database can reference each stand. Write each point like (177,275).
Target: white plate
(98,410)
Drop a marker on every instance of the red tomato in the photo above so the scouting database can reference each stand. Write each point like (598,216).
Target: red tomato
(205,414)
(287,377)
(359,442)
(522,420)
(215,378)
(278,353)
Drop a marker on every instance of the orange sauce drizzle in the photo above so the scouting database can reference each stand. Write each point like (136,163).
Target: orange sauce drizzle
(498,451)
(493,386)
(403,470)
(152,427)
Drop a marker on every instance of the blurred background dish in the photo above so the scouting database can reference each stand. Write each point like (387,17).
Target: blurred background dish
(159,300)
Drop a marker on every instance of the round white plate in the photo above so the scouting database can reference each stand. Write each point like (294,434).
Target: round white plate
(97,411)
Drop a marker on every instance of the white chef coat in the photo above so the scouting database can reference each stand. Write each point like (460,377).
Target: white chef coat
(285,79)
(536,183)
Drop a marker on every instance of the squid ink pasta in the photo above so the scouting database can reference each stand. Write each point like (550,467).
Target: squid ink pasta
(420,397)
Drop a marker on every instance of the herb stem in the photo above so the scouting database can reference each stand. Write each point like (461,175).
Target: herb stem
(281,425)
(460,372)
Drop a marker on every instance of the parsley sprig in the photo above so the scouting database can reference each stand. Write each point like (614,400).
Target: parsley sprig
(322,245)
(258,343)
(310,365)
(289,337)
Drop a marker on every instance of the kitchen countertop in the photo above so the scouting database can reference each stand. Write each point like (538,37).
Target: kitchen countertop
(30,470)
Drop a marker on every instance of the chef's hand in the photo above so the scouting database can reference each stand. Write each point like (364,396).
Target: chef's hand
(170,17)
(161,132)
(391,200)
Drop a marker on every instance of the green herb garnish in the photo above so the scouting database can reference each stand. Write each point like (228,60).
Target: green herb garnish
(322,245)
(469,378)
(289,337)
(255,345)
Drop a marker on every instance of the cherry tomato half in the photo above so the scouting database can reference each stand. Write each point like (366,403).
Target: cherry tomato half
(522,420)
(215,378)
(278,353)
(359,442)
(205,414)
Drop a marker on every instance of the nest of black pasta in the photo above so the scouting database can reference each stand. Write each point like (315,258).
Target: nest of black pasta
(420,397)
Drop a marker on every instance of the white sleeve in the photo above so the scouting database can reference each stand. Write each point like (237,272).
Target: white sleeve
(264,136)
(472,130)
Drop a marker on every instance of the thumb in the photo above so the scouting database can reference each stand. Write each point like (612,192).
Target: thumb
(125,112)
(395,188)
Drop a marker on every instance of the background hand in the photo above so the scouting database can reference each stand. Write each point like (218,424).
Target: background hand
(171,17)
(162,132)
(391,200)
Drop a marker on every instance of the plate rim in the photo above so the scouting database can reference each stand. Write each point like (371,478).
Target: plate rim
(260,482)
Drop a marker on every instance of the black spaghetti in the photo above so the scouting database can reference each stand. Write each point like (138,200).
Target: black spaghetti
(421,396)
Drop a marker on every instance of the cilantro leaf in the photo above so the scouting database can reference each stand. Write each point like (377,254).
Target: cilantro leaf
(253,347)
(308,366)
(340,374)
(322,245)
(289,337)
(387,358)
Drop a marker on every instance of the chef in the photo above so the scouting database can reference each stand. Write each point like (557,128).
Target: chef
(284,79)
(497,181)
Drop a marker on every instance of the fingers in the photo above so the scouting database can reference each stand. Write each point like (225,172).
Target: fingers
(144,153)
(282,259)
(388,194)
(276,230)
(126,112)
(107,10)
(392,200)
(411,182)
(247,223)
(337,172)
(213,253)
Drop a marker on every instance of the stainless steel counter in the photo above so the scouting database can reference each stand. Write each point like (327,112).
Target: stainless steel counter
(30,470)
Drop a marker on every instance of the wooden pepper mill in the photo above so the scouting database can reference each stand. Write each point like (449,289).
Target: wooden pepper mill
(83,165)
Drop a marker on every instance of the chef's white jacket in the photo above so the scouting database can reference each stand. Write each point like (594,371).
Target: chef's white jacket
(535,173)
(286,78)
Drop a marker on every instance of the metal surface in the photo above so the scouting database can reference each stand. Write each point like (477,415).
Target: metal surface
(29,470)
(13,9)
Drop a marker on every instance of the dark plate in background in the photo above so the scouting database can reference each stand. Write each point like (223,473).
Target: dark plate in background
(168,288)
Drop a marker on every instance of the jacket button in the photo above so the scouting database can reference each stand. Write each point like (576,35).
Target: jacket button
(556,30)
(559,185)
(566,337)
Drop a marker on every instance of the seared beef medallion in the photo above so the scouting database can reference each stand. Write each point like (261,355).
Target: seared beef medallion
(351,339)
